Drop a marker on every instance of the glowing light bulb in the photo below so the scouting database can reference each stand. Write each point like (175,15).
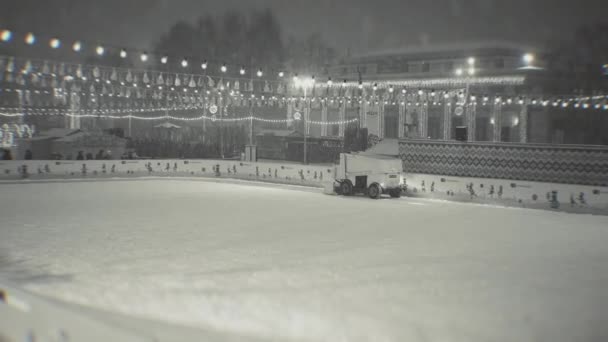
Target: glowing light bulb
(528,58)
(459,72)
(260,73)
(144,57)
(123,53)
(30,39)
(204,65)
(6,35)
(77,46)
(281,74)
(54,43)
(164,59)
(100,50)
(224,68)
(184,63)
(242,71)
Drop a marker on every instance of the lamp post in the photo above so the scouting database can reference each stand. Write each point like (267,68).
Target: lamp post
(305,84)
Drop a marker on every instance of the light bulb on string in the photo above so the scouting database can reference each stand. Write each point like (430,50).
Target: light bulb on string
(528,58)
(223,68)
(391,89)
(164,59)
(260,73)
(6,36)
(281,74)
(329,82)
(123,53)
(242,71)
(144,57)
(77,46)
(30,39)
(403,91)
(360,85)
(100,50)
(54,43)
(184,63)
(204,65)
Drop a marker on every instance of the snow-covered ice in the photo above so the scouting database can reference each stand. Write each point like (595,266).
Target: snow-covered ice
(282,264)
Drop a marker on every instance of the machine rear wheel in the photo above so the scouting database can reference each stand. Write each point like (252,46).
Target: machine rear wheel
(373,191)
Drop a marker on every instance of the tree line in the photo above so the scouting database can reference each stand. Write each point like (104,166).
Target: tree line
(254,39)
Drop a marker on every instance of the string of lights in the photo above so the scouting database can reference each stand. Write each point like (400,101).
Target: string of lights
(110,114)
(143,57)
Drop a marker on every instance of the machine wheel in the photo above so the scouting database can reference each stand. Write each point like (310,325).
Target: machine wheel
(395,193)
(373,191)
(346,188)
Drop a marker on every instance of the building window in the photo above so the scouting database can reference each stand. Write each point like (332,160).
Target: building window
(426,67)
(405,67)
(499,63)
(449,66)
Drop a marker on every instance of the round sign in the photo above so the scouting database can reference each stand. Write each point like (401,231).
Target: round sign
(459,110)
(297,116)
(213,109)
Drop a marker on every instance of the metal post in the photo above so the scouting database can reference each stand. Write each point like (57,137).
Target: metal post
(220,111)
(251,129)
(305,130)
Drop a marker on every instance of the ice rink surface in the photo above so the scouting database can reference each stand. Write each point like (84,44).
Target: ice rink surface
(283,264)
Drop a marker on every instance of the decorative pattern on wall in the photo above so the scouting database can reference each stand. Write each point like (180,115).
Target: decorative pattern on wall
(585,165)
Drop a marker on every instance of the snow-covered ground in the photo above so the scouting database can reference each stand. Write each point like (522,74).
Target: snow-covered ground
(282,264)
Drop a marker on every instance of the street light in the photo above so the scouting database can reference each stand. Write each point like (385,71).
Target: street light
(528,59)
(304,83)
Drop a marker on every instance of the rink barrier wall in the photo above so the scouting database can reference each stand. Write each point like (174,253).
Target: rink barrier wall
(567,164)
(504,192)
(273,172)
(513,193)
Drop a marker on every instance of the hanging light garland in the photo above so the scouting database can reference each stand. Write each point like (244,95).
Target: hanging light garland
(111,114)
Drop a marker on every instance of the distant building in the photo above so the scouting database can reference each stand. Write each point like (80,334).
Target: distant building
(511,85)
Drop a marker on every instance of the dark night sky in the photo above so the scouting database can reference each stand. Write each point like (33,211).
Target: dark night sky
(359,24)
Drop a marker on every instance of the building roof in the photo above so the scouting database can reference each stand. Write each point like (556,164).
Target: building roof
(278,132)
(59,132)
(465,49)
